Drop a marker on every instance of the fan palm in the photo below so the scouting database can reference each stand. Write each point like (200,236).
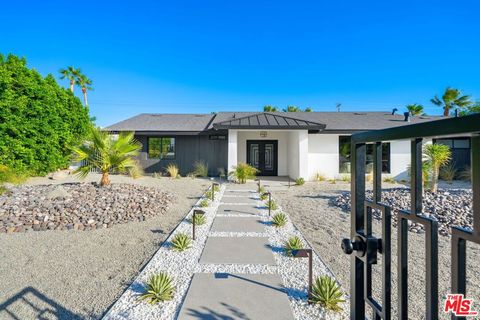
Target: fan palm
(415,109)
(85,83)
(452,99)
(292,109)
(269,108)
(108,154)
(71,74)
(436,155)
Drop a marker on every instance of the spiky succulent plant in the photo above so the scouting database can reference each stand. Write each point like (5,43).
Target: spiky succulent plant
(279,220)
(181,242)
(272,205)
(204,203)
(200,219)
(327,293)
(294,243)
(264,196)
(159,288)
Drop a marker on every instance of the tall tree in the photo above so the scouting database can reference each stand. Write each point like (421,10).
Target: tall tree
(71,74)
(292,109)
(452,99)
(415,109)
(474,108)
(108,154)
(85,83)
(269,108)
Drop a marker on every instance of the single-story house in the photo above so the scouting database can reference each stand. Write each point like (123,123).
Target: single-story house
(294,144)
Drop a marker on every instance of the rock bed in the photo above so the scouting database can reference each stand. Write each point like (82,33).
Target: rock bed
(449,207)
(78,206)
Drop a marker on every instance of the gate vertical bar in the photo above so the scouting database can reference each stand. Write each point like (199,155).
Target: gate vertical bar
(416,176)
(476,184)
(377,172)
(357,302)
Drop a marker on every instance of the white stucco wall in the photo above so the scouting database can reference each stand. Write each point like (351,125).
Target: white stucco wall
(323,155)
(280,136)
(298,154)
(232,149)
(399,159)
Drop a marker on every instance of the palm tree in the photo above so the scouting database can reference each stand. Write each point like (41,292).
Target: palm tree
(415,109)
(83,82)
(108,154)
(291,109)
(308,109)
(436,155)
(269,108)
(71,74)
(451,99)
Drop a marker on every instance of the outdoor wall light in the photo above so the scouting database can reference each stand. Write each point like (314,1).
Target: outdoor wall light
(269,202)
(195,213)
(306,253)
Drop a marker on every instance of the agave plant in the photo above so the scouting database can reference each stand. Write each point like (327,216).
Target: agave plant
(204,203)
(300,181)
(292,244)
(159,288)
(279,220)
(272,205)
(208,194)
(181,242)
(264,196)
(199,219)
(327,293)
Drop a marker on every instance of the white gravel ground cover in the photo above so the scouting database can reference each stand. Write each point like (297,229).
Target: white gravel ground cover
(182,265)
(179,265)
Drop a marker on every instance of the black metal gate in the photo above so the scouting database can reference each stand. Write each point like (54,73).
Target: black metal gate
(366,246)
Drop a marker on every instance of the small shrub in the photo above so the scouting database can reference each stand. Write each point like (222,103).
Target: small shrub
(11,176)
(389,180)
(200,169)
(156,175)
(221,172)
(200,219)
(264,196)
(345,177)
(327,293)
(319,177)
(181,242)
(294,243)
(261,190)
(242,172)
(448,172)
(216,188)
(300,181)
(466,174)
(272,205)
(204,203)
(208,194)
(332,181)
(3,189)
(159,288)
(279,220)
(172,170)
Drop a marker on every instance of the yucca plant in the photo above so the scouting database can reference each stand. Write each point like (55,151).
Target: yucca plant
(327,293)
(294,243)
(181,242)
(159,288)
(242,172)
(204,203)
(279,220)
(300,181)
(272,205)
(200,219)
(436,155)
(172,170)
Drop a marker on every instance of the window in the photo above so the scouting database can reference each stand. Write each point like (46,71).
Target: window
(161,148)
(344,152)
(461,143)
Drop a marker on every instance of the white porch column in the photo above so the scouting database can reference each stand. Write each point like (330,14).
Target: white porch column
(232,149)
(303,154)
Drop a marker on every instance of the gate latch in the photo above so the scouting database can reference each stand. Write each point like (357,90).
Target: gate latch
(370,246)
(348,246)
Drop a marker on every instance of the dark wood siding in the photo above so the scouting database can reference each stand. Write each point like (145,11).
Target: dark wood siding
(188,150)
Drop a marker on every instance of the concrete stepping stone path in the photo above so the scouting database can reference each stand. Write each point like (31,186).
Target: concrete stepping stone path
(238,224)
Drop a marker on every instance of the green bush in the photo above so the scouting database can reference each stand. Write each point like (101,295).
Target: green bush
(272,205)
(204,203)
(327,293)
(159,288)
(200,169)
(279,220)
(39,120)
(294,243)
(10,176)
(181,242)
(200,219)
(300,181)
(242,172)
(389,180)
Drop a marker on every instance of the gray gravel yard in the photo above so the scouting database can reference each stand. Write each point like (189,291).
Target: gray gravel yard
(325,225)
(79,274)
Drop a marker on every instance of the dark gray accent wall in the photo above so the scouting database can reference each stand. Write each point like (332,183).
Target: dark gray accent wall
(188,150)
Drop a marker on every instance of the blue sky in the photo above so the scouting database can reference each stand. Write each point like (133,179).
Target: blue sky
(203,56)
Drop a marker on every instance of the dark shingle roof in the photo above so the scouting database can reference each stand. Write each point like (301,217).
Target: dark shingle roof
(164,122)
(333,121)
(266,120)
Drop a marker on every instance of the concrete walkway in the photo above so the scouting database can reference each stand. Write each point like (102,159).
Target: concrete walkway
(237,238)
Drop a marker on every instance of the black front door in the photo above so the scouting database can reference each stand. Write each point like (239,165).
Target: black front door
(262,154)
